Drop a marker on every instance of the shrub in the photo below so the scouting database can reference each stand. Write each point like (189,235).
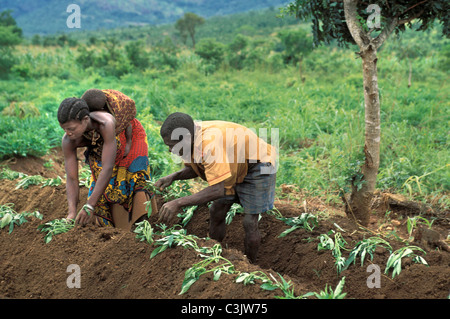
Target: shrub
(212,52)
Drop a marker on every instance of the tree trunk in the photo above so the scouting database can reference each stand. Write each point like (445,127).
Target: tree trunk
(359,205)
(410,73)
(362,191)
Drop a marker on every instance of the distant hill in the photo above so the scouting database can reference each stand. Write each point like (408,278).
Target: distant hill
(224,28)
(49,16)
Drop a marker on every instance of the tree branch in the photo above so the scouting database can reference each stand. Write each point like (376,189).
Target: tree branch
(412,7)
(352,22)
(395,22)
(388,29)
(410,18)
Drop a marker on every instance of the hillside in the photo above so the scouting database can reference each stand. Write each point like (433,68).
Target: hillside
(49,16)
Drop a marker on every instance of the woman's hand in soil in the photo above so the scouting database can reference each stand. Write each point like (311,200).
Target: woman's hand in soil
(168,211)
(83,217)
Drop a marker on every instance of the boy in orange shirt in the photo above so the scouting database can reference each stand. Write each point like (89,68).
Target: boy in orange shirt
(238,166)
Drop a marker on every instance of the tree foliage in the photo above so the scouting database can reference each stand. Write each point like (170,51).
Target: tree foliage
(187,24)
(368,25)
(296,44)
(329,23)
(10,35)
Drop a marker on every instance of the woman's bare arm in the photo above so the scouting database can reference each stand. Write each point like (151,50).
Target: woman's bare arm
(105,125)
(72,183)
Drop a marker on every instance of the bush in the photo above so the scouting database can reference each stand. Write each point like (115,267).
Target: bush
(160,58)
(29,136)
(108,60)
(212,52)
(296,44)
(10,35)
(7,61)
(137,55)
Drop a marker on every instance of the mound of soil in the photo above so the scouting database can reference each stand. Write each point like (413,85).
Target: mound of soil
(114,264)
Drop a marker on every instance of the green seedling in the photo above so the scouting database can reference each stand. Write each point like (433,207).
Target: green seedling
(267,284)
(235,209)
(328,293)
(193,274)
(305,220)
(286,287)
(176,190)
(249,278)
(51,181)
(85,177)
(417,179)
(144,231)
(149,208)
(56,227)
(172,237)
(49,163)
(187,214)
(10,218)
(412,222)
(275,212)
(27,181)
(178,237)
(365,248)
(327,243)
(395,259)
(7,173)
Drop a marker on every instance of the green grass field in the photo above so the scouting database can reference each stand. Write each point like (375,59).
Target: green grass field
(320,118)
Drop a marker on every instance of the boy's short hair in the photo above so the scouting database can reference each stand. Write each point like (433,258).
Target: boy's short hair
(177,120)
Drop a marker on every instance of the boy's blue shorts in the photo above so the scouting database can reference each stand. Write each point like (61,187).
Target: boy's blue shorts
(256,193)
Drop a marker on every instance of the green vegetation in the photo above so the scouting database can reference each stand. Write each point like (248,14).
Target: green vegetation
(395,259)
(336,246)
(144,231)
(305,220)
(211,255)
(412,222)
(248,77)
(56,227)
(10,218)
(24,181)
(366,247)
(187,214)
(235,209)
(328,293)
(262,72)
(10,35)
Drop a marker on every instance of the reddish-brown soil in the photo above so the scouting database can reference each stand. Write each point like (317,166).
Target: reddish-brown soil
(114,264)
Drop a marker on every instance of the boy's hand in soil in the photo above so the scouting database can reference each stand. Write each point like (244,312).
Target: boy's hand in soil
(168,211)
(164,182)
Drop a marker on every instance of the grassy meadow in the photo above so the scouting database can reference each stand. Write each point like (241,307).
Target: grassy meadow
(319,111)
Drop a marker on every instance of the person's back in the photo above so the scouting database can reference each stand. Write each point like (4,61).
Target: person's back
(224,150)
